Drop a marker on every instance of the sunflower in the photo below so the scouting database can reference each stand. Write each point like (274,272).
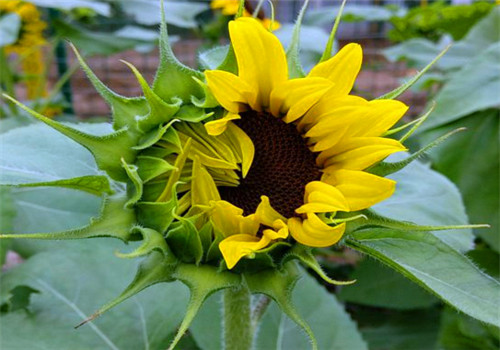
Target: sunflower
(311,143)
(29,45)
(230,8)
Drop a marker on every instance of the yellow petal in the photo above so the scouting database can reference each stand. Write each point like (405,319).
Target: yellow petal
(361,189)
(261,59)
(321,197)
(244,146)
(295,97)
(235,247)
(359,153)
(266,214)
(314,232)
(203,189)
(229,219)
(217,127)
(280,230)
(342,69)
(327,108)
(381,116)
(230,91)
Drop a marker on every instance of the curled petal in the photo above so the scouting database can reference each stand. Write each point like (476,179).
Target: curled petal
(361,189)
(217,127)
(266,214)
(235,247)
(321,197)
(314,232)
(229,220)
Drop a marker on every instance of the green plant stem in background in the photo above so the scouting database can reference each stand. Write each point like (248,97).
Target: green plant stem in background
(7,80)
(237,319)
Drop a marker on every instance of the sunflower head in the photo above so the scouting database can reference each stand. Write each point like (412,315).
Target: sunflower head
(233,174)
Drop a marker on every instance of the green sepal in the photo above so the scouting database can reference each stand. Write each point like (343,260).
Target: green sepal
(94,184)
(151,240)
(159,111)
(192,114)
(400,90)
(229,64)
(124,109)
(153,136)
(151,167)
(173,79)
(155,268)
(327,54)
(114,221)
(295,69)
(387,168)
(184,239)
(108,150)
(374,219)
(134,192)
(206,237)
(156,215)
(278,285)
(214,253)
(209,101)
(202,281)
(304,254)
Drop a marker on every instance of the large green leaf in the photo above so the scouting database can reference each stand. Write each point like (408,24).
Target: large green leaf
(436,266)
(372,286)
(179,13)
(352,12)
(410,330)
(46,209)
(474,168)
(38,153)
(330,324)
(426,197)
(9,29)
(99,7)
(473,88)
(72,283)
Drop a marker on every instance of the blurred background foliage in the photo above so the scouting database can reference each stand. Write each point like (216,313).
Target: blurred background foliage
(384,310)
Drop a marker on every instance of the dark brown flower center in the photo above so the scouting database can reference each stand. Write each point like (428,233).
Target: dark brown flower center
(282,166)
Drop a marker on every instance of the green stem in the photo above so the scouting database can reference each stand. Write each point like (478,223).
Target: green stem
(238,332)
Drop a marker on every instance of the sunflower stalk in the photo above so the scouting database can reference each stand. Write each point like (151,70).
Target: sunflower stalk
(237,322)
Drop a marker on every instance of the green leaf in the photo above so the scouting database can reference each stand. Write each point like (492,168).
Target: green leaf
(426,197)
(94,43)
(434,265)
(10,24)
(373,281)
(312,42)
(474,168)
(101,8)
(351,13)
(178,13)
(27,157)
(410,330)
(72,284)
(19,298)
(213,58)
(473,88)
(331,325)
(460,332)
(7,214)
(96,185)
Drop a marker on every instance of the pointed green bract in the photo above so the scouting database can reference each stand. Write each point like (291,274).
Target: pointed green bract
(114,221)
(305,256)
(94,184)
(387,168)
(107,150)
(279,286)
(173,79)
(331,40)
(151,240)
(134,191)
(295,69)
(400,90)
(124,109)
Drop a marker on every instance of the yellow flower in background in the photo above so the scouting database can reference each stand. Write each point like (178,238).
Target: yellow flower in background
(29,45)
(230,8)
(311,142)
